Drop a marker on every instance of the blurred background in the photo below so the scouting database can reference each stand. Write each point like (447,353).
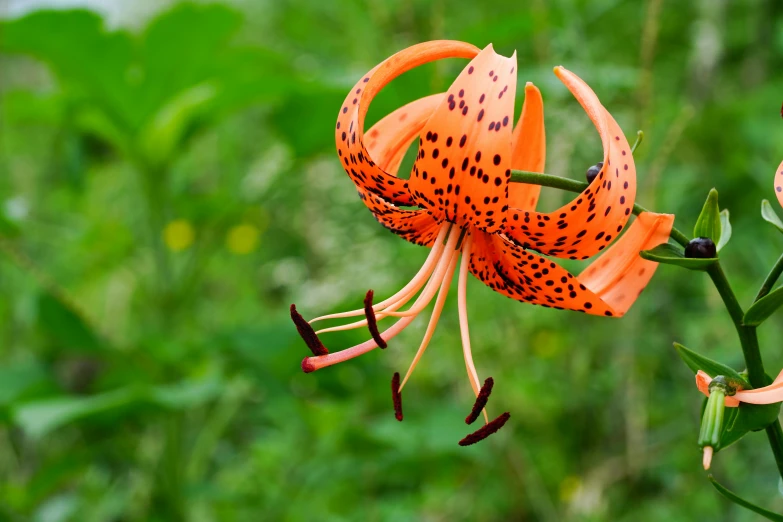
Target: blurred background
(168,186)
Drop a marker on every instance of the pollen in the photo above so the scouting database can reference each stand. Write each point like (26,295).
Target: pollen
(486,430)
(372,324)
(396,396)
(308,334)
(481,401)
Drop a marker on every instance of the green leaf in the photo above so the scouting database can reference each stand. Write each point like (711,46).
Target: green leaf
(186,394)
(725,229)
(697,362)
(709,222)
(65,326)
(17,378)
(764,307)
(669,254)
(770,216)
(744,503)
(164,134)
(41,417)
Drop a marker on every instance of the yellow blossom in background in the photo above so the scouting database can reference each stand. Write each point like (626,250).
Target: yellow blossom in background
(178,235)
(569,487)
(242,239)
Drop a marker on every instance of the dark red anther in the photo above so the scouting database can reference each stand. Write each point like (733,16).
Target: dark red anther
(396,397)
(308,334)
(372,324)
(485,431)
(481,401)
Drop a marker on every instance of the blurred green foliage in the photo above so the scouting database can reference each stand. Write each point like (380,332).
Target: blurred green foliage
(169,186)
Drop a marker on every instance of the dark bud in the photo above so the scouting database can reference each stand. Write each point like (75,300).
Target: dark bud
(701,248)
(593,171)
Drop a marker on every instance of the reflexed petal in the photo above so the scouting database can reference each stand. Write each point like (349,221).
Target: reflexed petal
(462,170)
(608,287)
(620,274)
(349,133)
(779,184)
(529,149)
(703,384)
(585,226)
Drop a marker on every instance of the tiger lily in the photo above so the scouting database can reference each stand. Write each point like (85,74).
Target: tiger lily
(779,184)
(767,395)
(468,213)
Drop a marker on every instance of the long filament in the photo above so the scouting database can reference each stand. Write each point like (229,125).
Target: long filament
(412,287)
(463,318)
(436,311)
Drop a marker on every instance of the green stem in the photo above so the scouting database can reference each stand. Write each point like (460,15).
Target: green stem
(750,350)
(548,180)
(772,277)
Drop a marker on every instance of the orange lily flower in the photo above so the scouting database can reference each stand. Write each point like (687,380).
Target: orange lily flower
(779,184)
(767,395)
(467,209)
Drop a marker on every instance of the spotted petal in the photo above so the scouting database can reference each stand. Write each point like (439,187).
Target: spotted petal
(587,224)
(368,175)
(462,170)
(609,286)
(387,142)
(779,184)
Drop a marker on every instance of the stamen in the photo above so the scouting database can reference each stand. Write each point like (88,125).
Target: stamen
(485,431)
(413,285)
(462,305)
(322,361)
(372,325)
(481,401)
(396,397)
(308,334)
(436,311)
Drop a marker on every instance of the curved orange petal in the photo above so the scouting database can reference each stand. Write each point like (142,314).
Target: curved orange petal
(608,287)
(529,149)
(703,384)
(766,395)
(388,140)
(779,184)
(416,226)
(349,133)
(462,170)
(587,225)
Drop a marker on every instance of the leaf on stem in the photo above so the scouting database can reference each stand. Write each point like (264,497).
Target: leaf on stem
(763,308)
(669,254)
(709,222)
(769,515)
(697,362)
(770,216)
(725,229)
